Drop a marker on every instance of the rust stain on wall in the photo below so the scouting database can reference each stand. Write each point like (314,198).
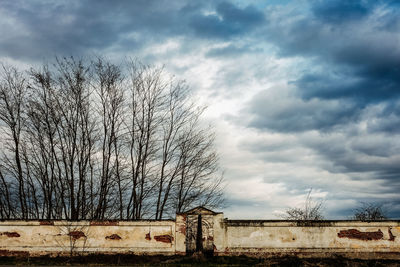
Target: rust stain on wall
(114,237)
(76,234)
(46,223)
(164,238)
(182,229)
(104,223)
(148,237)
(184,217)
(10,234)
(391,236)
(356,234)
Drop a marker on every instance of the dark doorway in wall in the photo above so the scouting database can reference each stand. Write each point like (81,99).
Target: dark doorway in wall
(200,230)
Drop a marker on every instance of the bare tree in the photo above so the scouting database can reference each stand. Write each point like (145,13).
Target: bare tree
(143,120)
(12,101)
(76,131)
(170,152)
(62,130)
(93,140)
(41,134)
(312,210)
(108,87)
(198,182)
(7,210)
(369,212)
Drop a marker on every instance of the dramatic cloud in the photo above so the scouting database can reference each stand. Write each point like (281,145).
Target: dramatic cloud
(227,21)
(352,49)
(303,94)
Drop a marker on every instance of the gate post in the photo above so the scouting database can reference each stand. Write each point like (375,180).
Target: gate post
(180,234)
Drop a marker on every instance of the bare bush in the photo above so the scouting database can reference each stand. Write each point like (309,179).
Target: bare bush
(369,212)
(312,210)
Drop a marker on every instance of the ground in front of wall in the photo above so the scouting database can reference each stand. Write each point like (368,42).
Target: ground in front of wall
(196,260)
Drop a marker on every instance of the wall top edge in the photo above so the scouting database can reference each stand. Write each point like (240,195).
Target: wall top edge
(324,223)
(89,221)
(315,221)
(85,223)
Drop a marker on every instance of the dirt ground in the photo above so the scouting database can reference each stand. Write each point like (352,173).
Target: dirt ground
(132,260)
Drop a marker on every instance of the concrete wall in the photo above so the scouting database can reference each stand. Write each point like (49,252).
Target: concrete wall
(352,238)
(380,239)
(63,238)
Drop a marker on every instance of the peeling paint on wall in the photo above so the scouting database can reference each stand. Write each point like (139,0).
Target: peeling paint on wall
(356,234)
(164,238)
(391,236)
(10,234)
(76,234)
(148,237)
(114,237)
(182,229)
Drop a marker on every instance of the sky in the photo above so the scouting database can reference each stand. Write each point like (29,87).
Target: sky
(302,94)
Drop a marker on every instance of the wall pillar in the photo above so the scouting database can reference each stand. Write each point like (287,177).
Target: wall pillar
(180,234)
(219,233)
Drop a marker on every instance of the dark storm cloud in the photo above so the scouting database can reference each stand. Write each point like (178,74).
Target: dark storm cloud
(356,45)
(386,119)
(352,55)
(337,11)
(287,114)
(228,21)
(363,88)
(65,28)
(352,154)
(230,51)
(69,28)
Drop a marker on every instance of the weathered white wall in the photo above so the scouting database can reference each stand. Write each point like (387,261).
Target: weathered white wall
(280,237)
(62,237)
(222,236)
